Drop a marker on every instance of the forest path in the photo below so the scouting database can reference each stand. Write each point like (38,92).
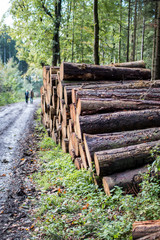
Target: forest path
(15,122)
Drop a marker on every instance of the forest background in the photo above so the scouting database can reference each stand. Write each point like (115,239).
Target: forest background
(46,32)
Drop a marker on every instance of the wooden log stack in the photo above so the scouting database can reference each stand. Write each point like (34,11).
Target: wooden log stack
(104,116)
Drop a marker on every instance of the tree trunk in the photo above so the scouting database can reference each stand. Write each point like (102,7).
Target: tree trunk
(144,228)
(120,30)
(126,180)
(154,42)
(120,121)
(142,44)
(134,33)
(73,32)
(74,72)
(128,32)
(93,106)
(157,60)
(96,33)
(56,44)
(95,143)
(120,159)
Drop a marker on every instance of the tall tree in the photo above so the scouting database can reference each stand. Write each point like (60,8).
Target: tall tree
(143,33)
(157,53)
(128,30)
(56,23)
(96,33)
(134,32)
(120,31)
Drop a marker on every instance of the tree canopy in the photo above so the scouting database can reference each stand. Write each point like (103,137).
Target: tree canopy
(36,23)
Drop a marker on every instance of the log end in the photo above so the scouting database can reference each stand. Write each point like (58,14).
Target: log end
(106,187)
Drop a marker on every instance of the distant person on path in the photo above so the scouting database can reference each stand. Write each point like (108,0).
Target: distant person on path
(26,96)
(31,96)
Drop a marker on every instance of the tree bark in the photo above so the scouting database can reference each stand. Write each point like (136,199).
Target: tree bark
(157,60)
(87,72)
(94,106)
(154,42)
(128,31)
(134,33)
(143,228)
(120,159)
(126,180)
(142,44)
(120,30)
(135,64)
(152,94)
(96,33)
(153,236)
(101,142)
(56,43)
(120,121)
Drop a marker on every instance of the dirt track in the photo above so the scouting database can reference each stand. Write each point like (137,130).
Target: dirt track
(15,122)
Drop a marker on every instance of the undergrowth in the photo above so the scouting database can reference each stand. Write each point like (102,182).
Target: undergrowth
(72,207)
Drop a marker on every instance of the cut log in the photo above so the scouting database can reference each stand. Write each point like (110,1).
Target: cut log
(78,163)
(64,130)
(65,145)
(128,180)
(120,159)
(135,64)
(95,143)
(73,71)
(118,94)
(113,86)
(74,145)
(55,136)
(73,112)
(153,236)
(71,125)
(143,228)
(83,155)
(93,106)
(115,122)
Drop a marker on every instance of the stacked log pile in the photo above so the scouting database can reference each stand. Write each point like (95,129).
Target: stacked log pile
(104,116)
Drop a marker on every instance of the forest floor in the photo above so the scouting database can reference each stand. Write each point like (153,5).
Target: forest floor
(17,161)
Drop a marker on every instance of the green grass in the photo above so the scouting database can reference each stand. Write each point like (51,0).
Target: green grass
(72,207)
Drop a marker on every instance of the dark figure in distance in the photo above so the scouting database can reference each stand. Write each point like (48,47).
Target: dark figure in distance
(26,96)
(31,96)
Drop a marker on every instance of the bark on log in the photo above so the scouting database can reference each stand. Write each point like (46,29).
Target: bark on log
(88,85)
(118,94)
(95,143)
(73,71)
(120,159)
(135,64)
(94,106)
(143,228)
(127,180)
(113,86)
(153,236)
(115,122)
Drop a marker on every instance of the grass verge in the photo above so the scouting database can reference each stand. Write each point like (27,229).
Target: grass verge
(72,207)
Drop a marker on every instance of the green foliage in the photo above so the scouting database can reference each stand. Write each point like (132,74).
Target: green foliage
(10,83)
(34,29)
(72,207)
